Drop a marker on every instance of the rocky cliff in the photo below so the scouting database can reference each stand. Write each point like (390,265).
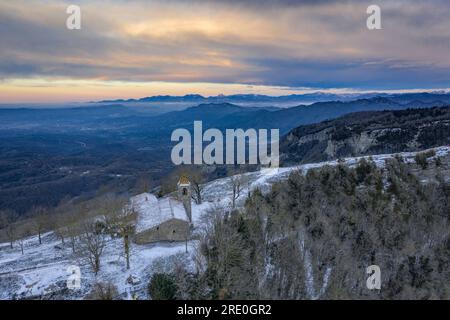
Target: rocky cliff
(366,133)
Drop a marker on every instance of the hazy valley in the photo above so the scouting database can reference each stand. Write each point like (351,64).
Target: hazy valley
(49,154)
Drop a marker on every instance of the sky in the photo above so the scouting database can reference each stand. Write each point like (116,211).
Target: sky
(137,48)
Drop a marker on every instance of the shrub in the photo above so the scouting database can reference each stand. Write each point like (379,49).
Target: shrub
(162,287)
(438,162)
(363,169)
(103,291)
(421,160)
(430,153)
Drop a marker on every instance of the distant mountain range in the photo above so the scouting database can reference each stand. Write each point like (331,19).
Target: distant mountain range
(237,98)
(226,115)
(293,98)
(115,116)
(367,133)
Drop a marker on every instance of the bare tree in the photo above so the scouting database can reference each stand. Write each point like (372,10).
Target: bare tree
(127,231)
(112,209)
(120,219)
(3,220)
(40,220)
(93,244)
(143,184)
(69,223)
(8,219)
(61,219)
(65,219)
(238,183)
(23,231)
(61,229)
(196,179)
(231,259)
(73,231)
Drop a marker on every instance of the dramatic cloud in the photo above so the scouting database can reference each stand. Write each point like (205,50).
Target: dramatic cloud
(320,44)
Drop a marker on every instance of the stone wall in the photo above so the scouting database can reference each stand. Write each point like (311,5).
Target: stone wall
(171,230)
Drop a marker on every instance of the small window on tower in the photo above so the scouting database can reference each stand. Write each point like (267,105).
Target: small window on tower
(184,191)
(173,231)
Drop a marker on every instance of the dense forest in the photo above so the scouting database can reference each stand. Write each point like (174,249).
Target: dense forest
(313,236)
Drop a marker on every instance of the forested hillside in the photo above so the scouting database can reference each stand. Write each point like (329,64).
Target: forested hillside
(366,133)
(313,236)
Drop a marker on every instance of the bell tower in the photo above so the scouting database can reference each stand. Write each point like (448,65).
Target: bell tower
(184,195)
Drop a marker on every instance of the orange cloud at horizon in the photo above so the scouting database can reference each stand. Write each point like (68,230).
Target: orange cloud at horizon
(30,91)
(61,91)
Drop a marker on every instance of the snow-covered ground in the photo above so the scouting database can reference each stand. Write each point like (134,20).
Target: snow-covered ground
(43,269)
